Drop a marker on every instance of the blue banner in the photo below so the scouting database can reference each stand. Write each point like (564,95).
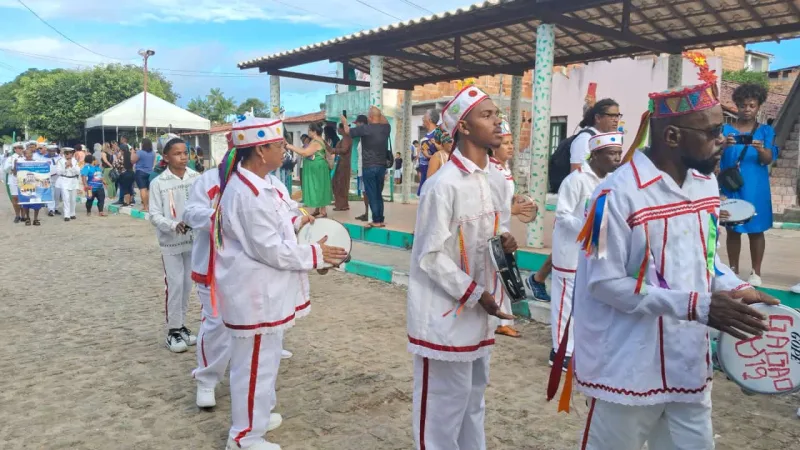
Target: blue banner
(33,178)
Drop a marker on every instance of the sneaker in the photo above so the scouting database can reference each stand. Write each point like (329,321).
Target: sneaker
(73,218)
(539,290)
(263,445)
(754,280)
(175,342)
(187,336)
(66,219)
(58,213)
(51,213)
(205,397)
(795,288)
(567,359)
(286,354)
(17,219)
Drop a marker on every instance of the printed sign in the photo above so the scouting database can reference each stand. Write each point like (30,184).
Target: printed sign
(33,178)
(770,363)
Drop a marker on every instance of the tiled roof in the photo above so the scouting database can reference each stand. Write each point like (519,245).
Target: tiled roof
(306,118)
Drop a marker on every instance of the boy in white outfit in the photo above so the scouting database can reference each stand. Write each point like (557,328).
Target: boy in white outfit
(53,157)
(168,196)
(68,181)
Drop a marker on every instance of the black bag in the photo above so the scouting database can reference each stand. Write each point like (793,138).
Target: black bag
(731,179)
(559,165)
(289,160)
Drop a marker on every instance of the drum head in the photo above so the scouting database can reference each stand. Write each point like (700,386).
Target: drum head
(524,218)
(769,364)
(336,232)
(739,211)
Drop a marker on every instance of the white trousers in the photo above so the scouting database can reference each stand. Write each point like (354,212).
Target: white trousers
(668,426)
(178,286)
(561,309)
(68,197)
(213,344)
(449,406)
(255,361)
(52,206)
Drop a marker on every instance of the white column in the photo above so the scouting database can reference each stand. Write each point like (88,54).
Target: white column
(376,81)
(405,145)
(275,95)
(675,71)
(540,134)
(515,122)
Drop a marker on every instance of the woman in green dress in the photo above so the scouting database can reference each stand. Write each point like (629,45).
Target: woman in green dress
(316,181)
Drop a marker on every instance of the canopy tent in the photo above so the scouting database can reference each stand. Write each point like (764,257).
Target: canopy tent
(161,114)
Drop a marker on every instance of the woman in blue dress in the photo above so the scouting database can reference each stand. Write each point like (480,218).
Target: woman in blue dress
(755,171)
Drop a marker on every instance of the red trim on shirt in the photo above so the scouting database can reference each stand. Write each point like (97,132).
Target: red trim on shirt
(261,325)
(700,175)
(669,390)
(303,306)
(199,278)
(661,352)
(561,269)
(742,286)
(251,394)
(588,424)
(664,248)
(424,402)
(639,180)
(294,219)
(248,183)
(672,210)
(561,308)
(469,292)
(450,348)
(314,255)
(459,164)
(705,249)
(213,192)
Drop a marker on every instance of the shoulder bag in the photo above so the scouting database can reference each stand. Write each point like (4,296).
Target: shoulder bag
(731,179)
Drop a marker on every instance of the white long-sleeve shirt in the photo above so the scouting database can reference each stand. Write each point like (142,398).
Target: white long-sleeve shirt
(455,206)
(198,214)
(260,262)
(168,197)
(68,177)
(640,335)
(573,198)
(9,164)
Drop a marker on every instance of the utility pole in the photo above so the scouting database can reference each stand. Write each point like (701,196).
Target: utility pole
(145,54)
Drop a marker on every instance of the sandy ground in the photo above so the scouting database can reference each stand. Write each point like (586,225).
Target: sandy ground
(84,366)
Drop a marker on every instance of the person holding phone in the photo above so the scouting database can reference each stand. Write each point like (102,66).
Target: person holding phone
(750,147)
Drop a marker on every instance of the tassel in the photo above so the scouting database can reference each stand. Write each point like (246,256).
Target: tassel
(590,234)
(711,244)
(558,364)
(602,238)
(172,206)
(642,136)
(566,393)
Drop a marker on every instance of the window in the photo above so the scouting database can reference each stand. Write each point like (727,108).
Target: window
(558,132)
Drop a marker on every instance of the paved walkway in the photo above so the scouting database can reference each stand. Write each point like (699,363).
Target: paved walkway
(780,266)
(84,367)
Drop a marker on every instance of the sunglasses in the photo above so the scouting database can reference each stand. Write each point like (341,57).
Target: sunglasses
(711,133)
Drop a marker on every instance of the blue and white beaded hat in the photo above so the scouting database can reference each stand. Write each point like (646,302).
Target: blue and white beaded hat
(460,106)
(249,131)
(602,141)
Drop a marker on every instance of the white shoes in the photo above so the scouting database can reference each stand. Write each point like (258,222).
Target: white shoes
(754,280)
(796,290)
(188,337)
(275,421)
(206,397)
(175,343)
(263,445)
(286,354)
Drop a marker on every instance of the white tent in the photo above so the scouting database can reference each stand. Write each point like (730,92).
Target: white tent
(161,114)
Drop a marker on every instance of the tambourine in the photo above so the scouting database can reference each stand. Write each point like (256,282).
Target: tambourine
(506,266)
(739,212)
(338,236)
(523,217)
(767,364)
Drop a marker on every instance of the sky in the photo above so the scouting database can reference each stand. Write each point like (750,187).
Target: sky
(199,42)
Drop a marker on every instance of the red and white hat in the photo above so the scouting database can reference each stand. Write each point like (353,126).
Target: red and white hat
(460,106)
(249,131)
(602,141)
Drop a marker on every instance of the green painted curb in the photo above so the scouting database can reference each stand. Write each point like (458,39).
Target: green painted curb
(383,236)
(113,209)
(549,207)
(521,309)
(786,226)
(135,213)
(369,270)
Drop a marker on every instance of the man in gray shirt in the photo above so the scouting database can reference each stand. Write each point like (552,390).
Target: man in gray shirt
(375,157)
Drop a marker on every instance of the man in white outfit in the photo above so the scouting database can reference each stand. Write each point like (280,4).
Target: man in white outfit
(605,152)
(53,157)
(652,283)
(168,196)
(68,181)
(450,309)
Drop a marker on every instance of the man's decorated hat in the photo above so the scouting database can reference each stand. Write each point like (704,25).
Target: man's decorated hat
(602,141)
(460,106)
(249,131)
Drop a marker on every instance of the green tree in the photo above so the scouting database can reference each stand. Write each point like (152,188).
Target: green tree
(259,108)
(199,106)
(219,105)
(745,76)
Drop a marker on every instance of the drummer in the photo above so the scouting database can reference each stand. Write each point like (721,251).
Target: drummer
(605,151)
(254,231)
(450,307)
(651,284)
(508,204)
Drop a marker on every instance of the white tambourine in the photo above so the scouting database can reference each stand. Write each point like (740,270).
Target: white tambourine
(769,364)
(739,212)
(338,236)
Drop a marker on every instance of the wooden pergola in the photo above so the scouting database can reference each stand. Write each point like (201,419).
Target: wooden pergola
(499,36)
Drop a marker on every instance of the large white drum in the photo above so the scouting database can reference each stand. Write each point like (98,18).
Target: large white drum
(337,235)
(769,364)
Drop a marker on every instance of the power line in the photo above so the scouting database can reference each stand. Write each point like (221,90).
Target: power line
(379,10)
(65,36)
(409,3)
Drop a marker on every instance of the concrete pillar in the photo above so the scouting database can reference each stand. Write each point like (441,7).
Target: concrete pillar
(275,95)
(675,71)
(404,144)
(540,134)
(376,81)
(515,122)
